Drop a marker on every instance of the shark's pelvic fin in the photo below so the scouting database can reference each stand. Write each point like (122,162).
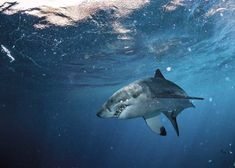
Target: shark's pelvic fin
(158,74)
(172,117)
(155,124)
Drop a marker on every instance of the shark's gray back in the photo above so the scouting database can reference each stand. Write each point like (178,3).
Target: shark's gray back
(161,87)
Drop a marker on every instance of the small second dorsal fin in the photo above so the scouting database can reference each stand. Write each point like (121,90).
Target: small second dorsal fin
(158,74)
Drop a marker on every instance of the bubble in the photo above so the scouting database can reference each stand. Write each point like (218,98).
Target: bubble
(168,69)
(227,78)
(86,57)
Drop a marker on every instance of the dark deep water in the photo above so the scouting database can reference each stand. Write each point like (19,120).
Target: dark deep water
(61,76)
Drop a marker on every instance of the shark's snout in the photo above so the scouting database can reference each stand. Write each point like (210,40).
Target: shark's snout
(105,113)
(99,114)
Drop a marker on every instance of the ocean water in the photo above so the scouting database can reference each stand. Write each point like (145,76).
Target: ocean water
(54,80)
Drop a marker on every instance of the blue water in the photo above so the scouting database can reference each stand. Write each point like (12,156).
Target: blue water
(61,76)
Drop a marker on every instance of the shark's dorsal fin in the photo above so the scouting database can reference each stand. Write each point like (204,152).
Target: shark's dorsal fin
(158,74)
(155,124)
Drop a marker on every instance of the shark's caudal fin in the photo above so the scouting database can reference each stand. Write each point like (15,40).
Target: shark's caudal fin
(158,74)
(155,124)
(172,117)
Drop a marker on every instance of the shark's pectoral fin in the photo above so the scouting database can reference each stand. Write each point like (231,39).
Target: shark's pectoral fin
(172,117)
(155,124)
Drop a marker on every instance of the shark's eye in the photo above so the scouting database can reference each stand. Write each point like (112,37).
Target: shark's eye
(135,95)
(111,100)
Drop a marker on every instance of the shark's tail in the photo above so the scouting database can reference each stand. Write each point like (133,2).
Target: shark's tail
(179,97)
(196,98)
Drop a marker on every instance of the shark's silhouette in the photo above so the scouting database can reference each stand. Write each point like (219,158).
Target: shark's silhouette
(148,98)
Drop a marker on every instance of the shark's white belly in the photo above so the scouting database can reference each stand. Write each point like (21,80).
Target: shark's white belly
(146,107)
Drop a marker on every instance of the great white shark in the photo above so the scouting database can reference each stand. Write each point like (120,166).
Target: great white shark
(148,98)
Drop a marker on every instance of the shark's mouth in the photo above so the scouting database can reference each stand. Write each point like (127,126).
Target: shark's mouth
(117,114)
(120,109)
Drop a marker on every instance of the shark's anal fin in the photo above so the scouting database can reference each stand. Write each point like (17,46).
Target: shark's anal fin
(155,124)
(158,74)
(172,117)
